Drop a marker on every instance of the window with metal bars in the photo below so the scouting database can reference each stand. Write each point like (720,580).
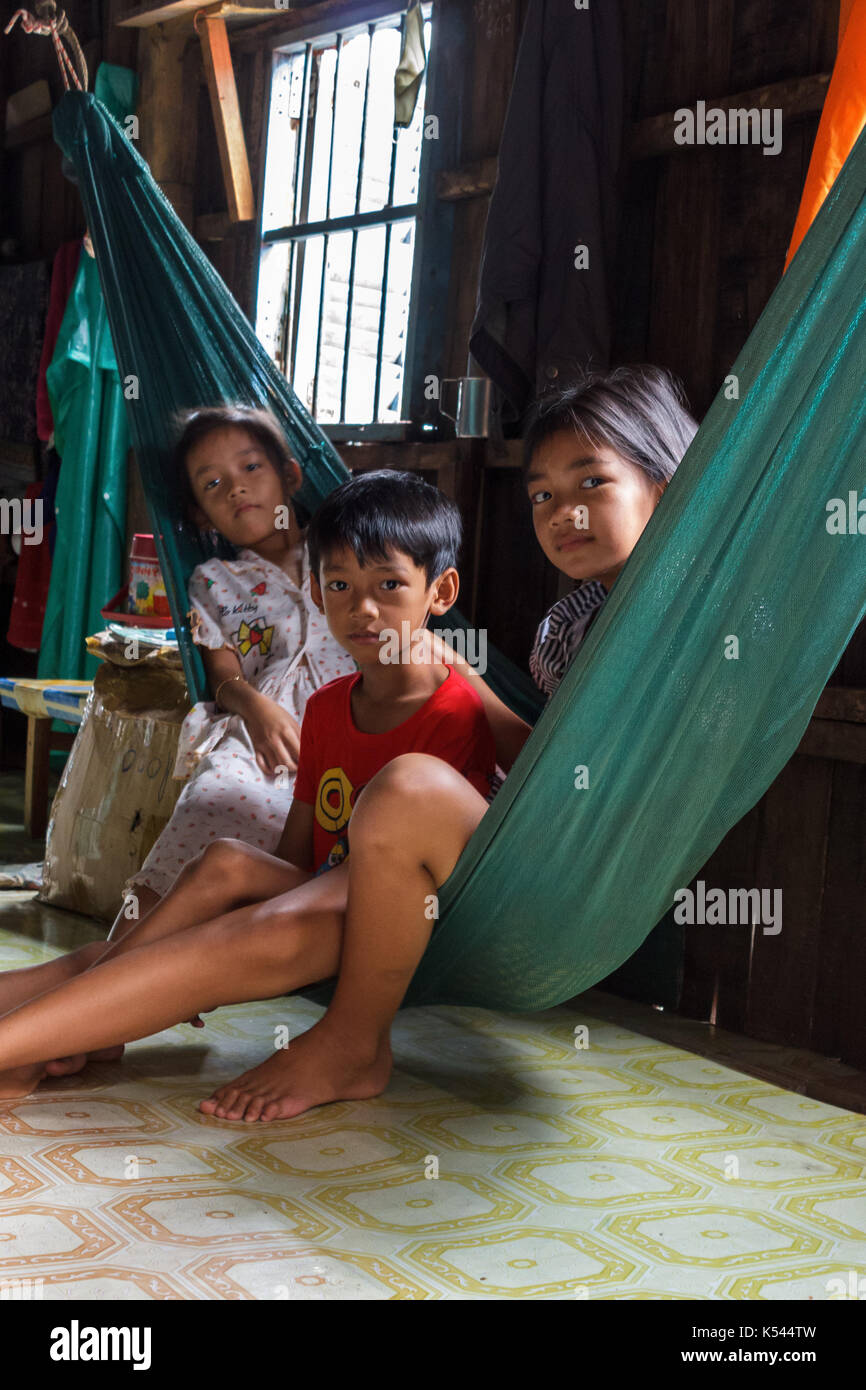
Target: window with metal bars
(338,223)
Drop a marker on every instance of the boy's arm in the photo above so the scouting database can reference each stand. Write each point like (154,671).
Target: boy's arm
(296,841)
(510,732)
(463,738)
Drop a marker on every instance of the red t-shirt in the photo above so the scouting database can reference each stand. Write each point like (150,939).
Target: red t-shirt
(337,759)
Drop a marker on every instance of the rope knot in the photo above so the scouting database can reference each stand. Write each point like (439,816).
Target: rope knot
(54,25)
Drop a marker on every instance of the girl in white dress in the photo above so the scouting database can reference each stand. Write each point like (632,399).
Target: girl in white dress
(264,645)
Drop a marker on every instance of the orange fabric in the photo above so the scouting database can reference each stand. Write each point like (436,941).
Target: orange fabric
(845,8)
(842,119)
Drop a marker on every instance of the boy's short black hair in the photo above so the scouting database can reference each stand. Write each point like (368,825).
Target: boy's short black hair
(375,513)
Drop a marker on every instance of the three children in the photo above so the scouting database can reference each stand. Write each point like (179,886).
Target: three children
(598,458)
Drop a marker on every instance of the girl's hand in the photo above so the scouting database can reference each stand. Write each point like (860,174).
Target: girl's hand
(275,736)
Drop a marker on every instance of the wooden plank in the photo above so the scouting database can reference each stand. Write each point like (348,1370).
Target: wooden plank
(839,1024)
(216,226)
(469,496)
(688,210)
(827,738)
(431,320)
(169,70)
(686,272)
(312,21)
(473,180)
(511,611)
(784,968)
(148,15)
(842,702)
(254,90)
(409,457)
(227,117)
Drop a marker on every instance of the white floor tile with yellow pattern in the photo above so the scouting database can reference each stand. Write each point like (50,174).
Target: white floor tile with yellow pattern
(502,1162)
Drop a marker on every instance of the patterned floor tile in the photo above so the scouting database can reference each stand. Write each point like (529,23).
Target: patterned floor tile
(553,1156)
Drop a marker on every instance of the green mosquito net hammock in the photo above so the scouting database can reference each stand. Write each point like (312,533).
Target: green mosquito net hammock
(562,882)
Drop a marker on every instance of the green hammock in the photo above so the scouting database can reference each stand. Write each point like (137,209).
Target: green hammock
(560,885)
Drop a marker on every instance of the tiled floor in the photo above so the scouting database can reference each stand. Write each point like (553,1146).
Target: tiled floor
(504,1161)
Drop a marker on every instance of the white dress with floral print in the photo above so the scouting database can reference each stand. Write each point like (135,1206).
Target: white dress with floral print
(286,652)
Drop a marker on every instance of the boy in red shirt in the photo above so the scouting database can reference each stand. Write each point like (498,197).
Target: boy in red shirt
(382,554)
(383,550)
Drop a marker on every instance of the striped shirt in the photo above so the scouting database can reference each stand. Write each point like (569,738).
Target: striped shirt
(561,632)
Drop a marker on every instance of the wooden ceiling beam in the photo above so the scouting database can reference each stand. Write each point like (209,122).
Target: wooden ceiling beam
(147,15)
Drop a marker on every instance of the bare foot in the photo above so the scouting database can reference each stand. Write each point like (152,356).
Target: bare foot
(20,1081)
(65,1066)
(318,1068)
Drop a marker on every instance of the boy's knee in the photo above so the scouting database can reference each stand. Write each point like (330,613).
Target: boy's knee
(400,804)
(224,858)
(412,775)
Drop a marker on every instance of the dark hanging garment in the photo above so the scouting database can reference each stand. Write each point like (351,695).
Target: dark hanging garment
(538,315)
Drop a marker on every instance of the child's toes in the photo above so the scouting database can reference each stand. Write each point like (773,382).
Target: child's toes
(231,1105)
(214,1103)
(255,1107)
(238,1111)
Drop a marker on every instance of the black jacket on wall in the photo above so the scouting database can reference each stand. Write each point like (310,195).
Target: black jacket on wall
(538,316)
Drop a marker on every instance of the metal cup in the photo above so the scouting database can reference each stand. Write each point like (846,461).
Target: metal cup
(471,414)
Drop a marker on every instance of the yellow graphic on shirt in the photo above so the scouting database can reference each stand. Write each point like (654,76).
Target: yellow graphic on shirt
(334,800)
(254,636)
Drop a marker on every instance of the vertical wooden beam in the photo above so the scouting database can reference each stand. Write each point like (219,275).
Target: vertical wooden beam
(698,45)
(427,342)
(784,970)
(227,117)
(168,104)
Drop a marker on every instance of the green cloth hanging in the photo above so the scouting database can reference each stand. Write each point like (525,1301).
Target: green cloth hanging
(560,885)
(91,436)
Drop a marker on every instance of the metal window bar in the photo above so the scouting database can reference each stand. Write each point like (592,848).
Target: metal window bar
(358,181)
(318,362)
(297,249)
(386,265)
(301,230)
